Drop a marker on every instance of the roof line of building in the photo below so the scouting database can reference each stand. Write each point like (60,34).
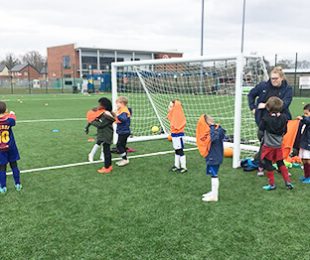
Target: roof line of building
(127,50)
(76,47)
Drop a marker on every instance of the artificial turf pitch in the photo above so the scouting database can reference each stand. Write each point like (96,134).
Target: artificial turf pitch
(141,211)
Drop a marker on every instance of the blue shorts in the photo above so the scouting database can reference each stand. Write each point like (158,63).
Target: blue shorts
(212,170)
(11,155)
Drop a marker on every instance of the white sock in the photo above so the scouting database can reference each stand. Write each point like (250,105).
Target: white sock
(183,161)
(215,183)
(94,150)
(177,161)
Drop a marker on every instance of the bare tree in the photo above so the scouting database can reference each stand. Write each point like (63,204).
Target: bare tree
(303,64)
(35,59)
(10,60)
(286,64)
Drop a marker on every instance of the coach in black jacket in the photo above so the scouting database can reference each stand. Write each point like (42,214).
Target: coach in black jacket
(276,86)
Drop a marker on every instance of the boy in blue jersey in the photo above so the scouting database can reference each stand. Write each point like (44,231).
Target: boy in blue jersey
(210,138)
(123,115)
(8,149)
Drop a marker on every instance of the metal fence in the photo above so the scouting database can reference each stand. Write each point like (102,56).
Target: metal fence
(24,86)
(297,70)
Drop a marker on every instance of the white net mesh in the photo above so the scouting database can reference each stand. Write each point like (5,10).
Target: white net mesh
(202,87)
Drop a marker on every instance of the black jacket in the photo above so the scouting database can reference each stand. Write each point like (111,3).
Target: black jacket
(305,136)
(263,91)
(274,127)
(104,129)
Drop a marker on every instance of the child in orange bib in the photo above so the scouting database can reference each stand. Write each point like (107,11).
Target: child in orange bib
(177,125)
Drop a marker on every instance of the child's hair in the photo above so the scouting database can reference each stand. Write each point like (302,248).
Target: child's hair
(2,107)
(123,100)
(274,105)
(307,107)
(105,103)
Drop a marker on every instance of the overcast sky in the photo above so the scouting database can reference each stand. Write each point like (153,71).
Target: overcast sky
(278,26)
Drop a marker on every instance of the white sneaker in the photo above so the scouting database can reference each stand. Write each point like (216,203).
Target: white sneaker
(122,163)
(210,198)
(207,194)
(90,158)
(260,173)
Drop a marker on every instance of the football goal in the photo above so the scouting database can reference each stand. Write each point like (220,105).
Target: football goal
(216,86)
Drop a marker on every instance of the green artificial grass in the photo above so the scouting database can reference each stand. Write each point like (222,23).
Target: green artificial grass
(141,211)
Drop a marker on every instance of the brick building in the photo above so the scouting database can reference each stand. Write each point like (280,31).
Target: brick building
(25,72)
(71,61)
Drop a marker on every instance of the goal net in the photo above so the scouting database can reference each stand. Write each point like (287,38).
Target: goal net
(216,86)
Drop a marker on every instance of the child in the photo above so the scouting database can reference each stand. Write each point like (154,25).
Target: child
(304,145)
(123,115)
(273,126)
(8,149)
(91,116)
(210,139)
(177,124)
(105,132)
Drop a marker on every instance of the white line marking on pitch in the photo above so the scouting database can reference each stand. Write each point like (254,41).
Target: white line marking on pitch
(95,162)
(51,120)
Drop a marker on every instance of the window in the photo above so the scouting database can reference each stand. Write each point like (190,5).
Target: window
(66,62)
(89,63)
(105,63)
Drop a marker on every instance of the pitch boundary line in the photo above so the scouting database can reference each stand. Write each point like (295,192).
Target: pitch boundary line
(84,119)
(50,120)
(95,162)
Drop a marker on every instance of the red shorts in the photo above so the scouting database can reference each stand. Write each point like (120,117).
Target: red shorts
(271,153)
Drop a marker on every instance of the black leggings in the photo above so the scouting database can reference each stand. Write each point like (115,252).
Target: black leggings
(121,143)
(107,155)
(12,165)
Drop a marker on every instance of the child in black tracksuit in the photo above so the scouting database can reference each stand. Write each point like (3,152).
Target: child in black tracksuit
(105,133)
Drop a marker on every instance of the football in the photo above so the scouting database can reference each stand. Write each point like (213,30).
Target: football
(155,129)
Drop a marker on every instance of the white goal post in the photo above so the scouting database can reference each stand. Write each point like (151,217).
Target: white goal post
(204,85)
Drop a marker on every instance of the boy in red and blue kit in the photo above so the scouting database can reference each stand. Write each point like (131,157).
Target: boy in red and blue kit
(8,149)
(273,126)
